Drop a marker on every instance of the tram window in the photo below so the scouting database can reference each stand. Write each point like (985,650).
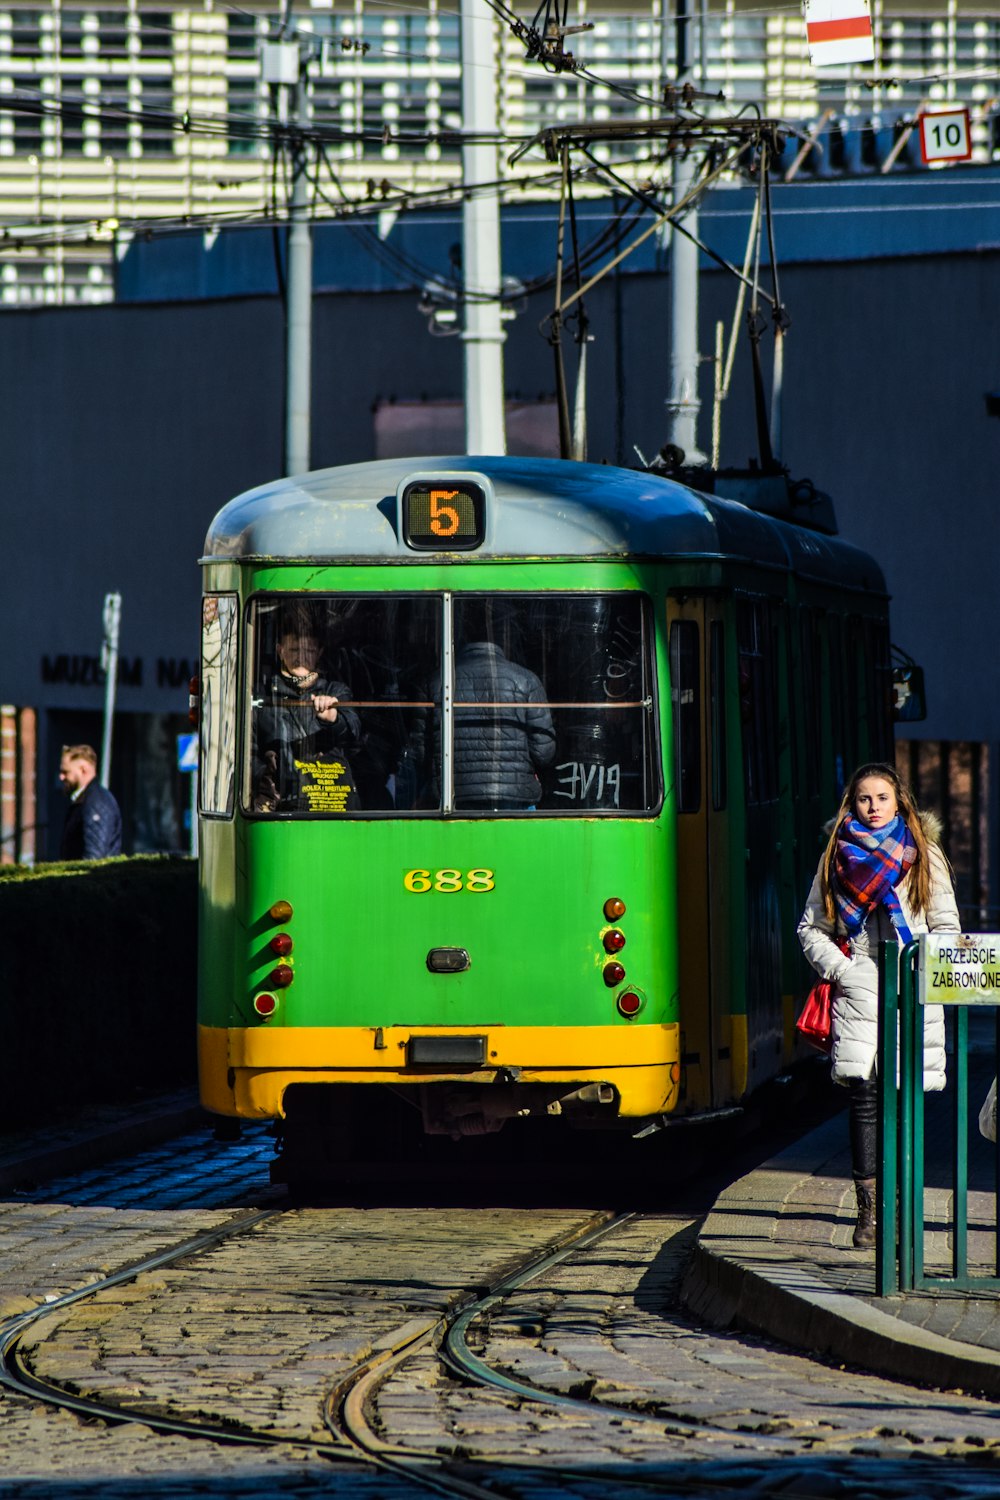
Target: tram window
(879,690)
(717,691)
(758,647)
(553,704)
(811,686)
(339,687)
(551,707)
(857,682)
(838,739)
(217,734)
(685,697)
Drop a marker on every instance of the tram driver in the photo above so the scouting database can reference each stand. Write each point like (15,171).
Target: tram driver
(302,728)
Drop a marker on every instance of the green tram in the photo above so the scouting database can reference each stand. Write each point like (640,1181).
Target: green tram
(512,780)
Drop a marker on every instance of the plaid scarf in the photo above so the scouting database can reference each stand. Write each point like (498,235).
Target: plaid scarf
(868,865)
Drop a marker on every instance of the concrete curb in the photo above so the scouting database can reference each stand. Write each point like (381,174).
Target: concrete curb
(94,1143)
(747,1273)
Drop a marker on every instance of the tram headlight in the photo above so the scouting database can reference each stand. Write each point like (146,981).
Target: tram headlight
(614,973)
(281,944)
(613,940)
(614,908)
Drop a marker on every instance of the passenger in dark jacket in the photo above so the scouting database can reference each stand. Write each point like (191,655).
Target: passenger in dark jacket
(301,722)
(93,828)
(501,747)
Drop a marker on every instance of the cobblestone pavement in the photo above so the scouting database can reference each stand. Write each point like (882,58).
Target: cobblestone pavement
(190,1171)
(255,1330)
(720,1410)
(258,1330)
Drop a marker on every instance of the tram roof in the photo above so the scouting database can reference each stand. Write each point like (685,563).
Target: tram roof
(540,507)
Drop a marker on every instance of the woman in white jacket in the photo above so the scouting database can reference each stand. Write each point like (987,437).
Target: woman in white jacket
(882,878)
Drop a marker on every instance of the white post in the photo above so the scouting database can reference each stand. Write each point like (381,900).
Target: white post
(109,661)
(483,332)
(298,347)
(682,402)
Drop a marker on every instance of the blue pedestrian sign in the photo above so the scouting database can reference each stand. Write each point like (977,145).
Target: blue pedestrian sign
(187,752)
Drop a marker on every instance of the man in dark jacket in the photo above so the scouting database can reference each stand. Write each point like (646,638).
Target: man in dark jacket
(93,824)
(501,746)
(300,729)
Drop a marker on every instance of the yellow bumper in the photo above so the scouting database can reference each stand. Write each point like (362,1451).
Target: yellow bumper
(245,1072)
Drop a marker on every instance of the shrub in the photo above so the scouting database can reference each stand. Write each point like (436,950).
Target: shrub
(98,976)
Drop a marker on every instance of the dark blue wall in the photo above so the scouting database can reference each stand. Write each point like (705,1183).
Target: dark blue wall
(125,428)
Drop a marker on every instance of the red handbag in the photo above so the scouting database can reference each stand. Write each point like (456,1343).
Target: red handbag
(814,1024)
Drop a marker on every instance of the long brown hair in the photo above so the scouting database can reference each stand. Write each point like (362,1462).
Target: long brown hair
(917,880)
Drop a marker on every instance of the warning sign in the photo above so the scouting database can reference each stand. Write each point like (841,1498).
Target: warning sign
(945,135)
(959,968)
(838,32)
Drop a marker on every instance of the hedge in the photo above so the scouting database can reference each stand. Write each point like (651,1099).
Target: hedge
(98,974)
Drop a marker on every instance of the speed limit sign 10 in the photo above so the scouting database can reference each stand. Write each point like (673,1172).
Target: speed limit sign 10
(945,135)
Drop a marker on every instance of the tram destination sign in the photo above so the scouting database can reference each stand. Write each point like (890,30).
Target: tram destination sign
(444,515)
(959,968)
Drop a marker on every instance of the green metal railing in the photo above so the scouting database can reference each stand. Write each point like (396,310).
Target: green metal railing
(899,1243)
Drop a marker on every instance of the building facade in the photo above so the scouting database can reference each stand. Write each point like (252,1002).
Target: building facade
(128,119)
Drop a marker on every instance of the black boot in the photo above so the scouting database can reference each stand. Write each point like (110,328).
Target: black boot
(864,1229)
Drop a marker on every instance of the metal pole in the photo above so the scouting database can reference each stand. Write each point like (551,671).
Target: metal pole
(996,1160)
(109,661)
(483,333)
(447,706)
(682,402)
(905,1062)
(887,1177)
(960,1174)
(917,1054)
(298,337)
(777,391)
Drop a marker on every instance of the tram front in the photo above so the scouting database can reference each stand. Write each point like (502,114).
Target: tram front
(438,854)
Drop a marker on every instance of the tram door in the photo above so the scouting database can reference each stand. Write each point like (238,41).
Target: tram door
(698,686)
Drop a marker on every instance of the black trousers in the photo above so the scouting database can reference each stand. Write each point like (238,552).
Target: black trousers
(863,1123)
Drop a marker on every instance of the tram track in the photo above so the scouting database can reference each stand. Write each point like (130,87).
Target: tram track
(359,1433)
(17,1376)
(351,1411)
(350,1408)
(346,1406)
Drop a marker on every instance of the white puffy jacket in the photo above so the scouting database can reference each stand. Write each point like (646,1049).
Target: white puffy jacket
(855,975)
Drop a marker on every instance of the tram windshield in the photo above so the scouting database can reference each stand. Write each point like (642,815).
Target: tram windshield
(471,704)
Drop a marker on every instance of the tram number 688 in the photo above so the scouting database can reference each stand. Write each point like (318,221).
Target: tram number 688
(448,881)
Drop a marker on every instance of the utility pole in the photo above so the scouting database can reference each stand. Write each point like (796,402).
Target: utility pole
(284,67)
(482,333)
(682,403)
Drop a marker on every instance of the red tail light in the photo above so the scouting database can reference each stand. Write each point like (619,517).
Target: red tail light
(613,974)
(281,976)
(629,1003)
(281,944)
(614,940)
(265,1004)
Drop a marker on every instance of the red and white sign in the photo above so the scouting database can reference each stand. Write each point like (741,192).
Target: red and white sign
(838,32)
(945,135)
